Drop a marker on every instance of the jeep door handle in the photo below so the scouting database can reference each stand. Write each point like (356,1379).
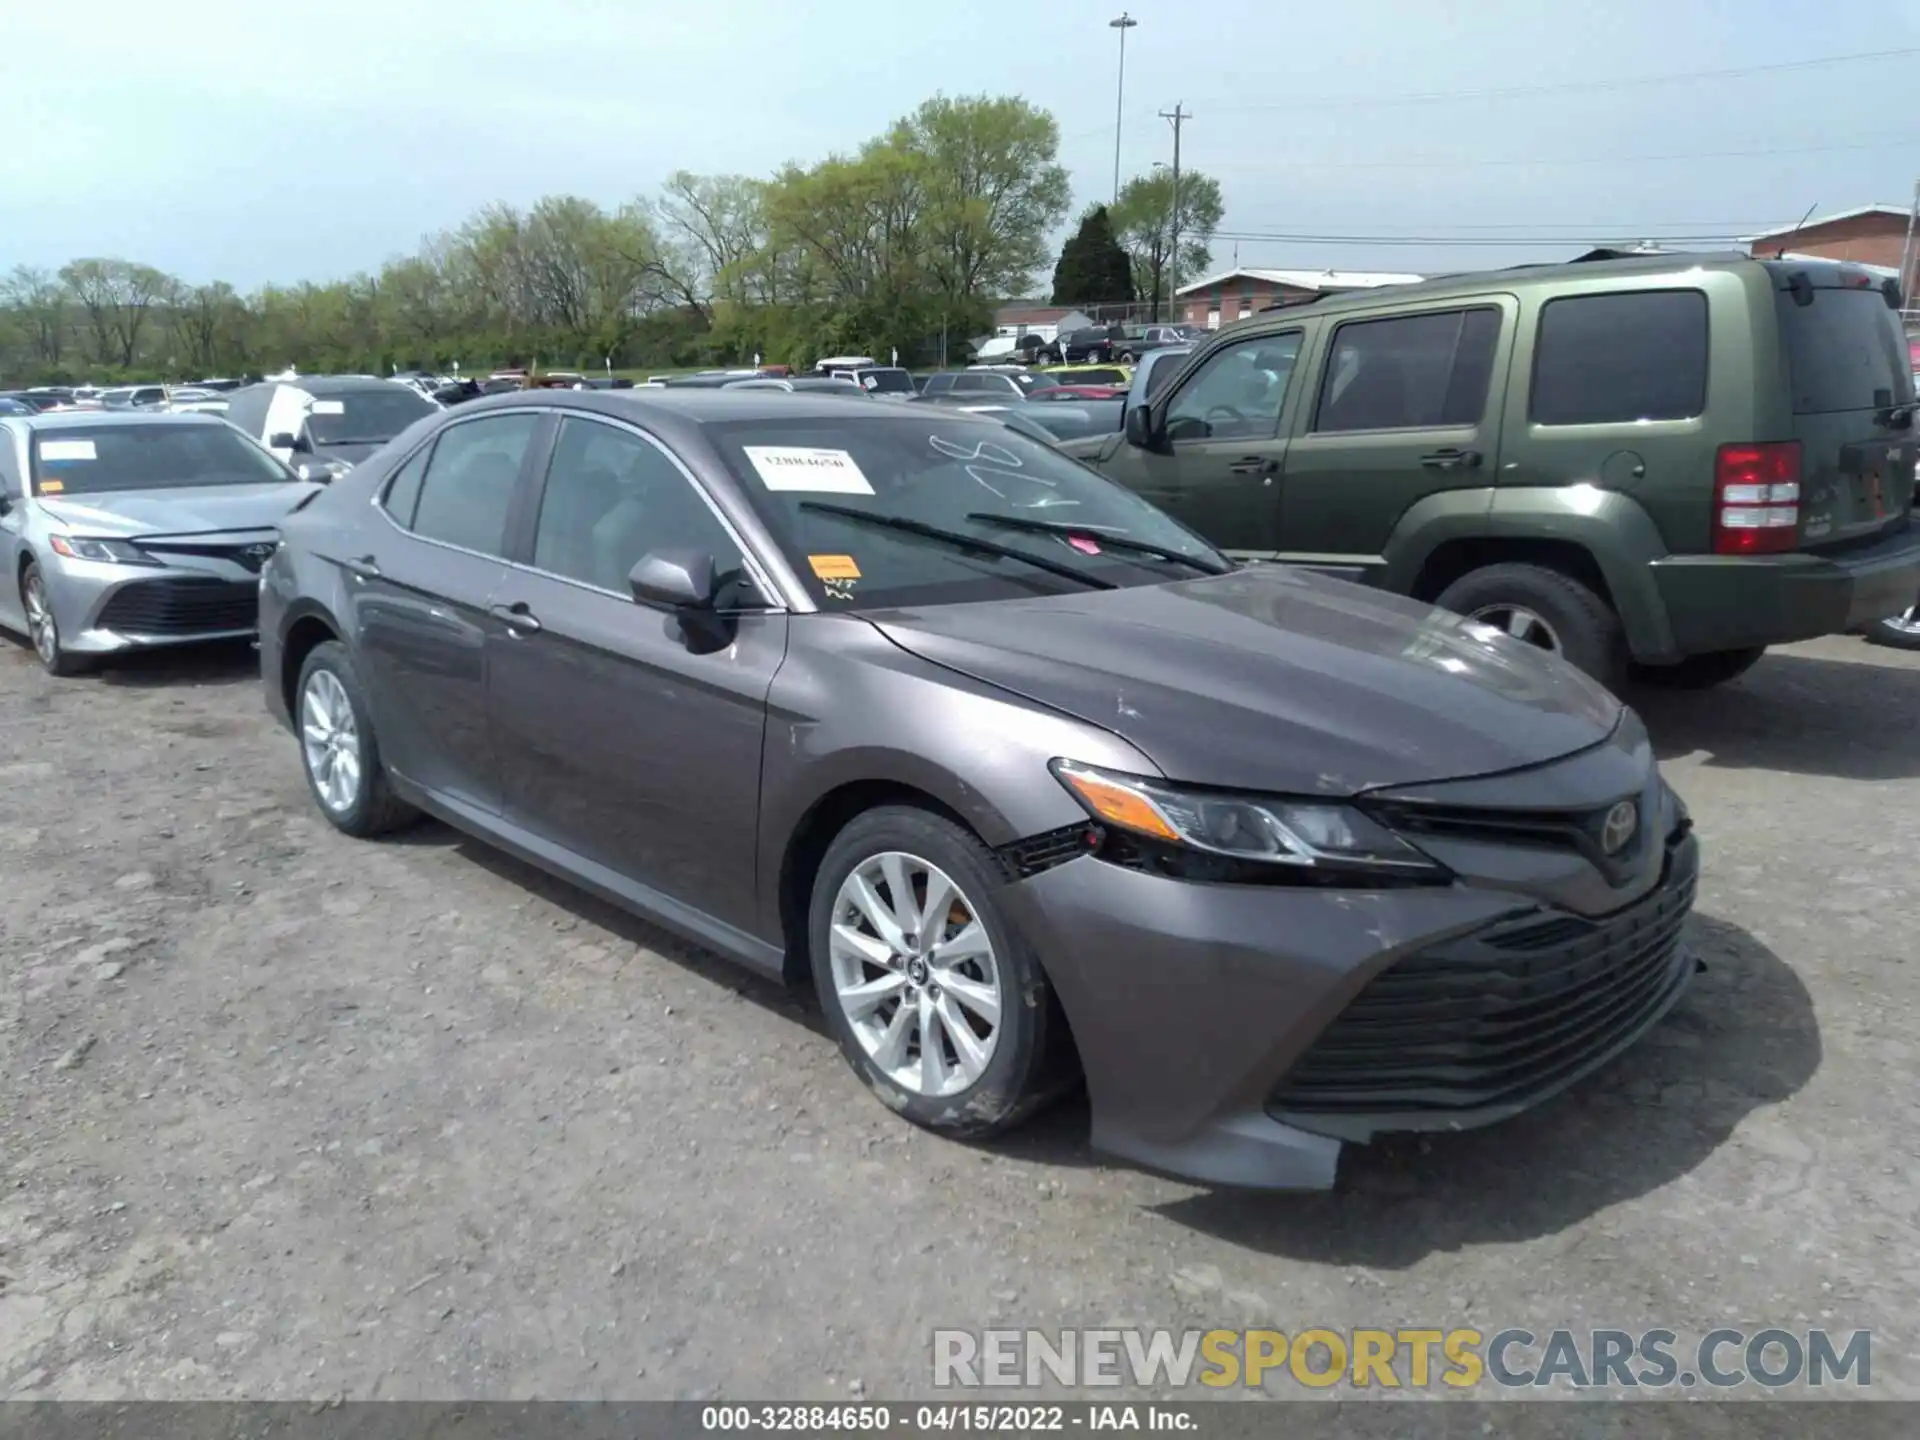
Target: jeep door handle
(1452,460)
(363,567)
(1253,465)
(516,617)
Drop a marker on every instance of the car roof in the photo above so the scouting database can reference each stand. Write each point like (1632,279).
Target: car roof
(92,419)
(328,384)
(1515,277)
(695,407)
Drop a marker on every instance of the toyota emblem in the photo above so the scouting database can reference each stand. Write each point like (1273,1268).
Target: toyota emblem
(1617,830)
(257,553)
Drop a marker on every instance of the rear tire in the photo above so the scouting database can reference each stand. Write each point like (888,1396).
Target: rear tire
(329,701)
(1028,1059)
(1547,609)
(1700,672)
(1897,632)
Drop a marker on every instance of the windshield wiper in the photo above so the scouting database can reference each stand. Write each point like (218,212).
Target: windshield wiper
(1095,532)
(959,541)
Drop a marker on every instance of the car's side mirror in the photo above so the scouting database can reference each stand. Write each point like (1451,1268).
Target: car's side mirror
(676,579)
(1142,431)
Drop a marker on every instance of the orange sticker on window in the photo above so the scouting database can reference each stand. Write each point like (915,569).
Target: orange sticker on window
(52,487)
(834,567)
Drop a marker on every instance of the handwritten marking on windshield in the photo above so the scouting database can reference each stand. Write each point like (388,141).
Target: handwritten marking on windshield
(1000,463)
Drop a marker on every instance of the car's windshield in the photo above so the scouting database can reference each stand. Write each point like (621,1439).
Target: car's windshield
(1031,380)
(93,459)
(948,474)
(888,380)
(365,417)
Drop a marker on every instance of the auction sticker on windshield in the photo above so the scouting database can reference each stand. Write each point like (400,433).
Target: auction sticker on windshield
(834,567)
(799,467)
(67,450)
(329,407)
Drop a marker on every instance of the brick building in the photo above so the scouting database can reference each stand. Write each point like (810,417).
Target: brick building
(1868,235)
(1235,294)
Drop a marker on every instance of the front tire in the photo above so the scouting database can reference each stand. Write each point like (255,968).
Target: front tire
(44,630)
(938,1004)
(338,749)
(1547,609)
(1700,672)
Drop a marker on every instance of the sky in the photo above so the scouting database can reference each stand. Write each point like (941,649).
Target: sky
(280,141)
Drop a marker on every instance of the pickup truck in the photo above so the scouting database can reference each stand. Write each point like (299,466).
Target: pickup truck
(1082,425)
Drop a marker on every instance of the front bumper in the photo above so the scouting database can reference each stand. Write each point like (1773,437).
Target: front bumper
(103,609)
(1225,1031)
(1727,602)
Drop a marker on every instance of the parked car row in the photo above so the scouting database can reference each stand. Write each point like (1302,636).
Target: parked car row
(1029,781)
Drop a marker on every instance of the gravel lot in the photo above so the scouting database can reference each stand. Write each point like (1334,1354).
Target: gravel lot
(285,1115)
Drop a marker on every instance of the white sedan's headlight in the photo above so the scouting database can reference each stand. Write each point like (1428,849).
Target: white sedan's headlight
(112,552)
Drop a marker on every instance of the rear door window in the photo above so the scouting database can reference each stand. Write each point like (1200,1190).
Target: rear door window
(1613,359)
(467,491)
(1411,372)
(1845,351)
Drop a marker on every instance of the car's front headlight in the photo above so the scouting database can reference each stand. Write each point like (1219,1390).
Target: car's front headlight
(1311,840)
(112,552)
(321,471)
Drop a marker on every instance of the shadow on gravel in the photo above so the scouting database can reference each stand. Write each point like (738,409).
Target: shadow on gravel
(1797,713)
(1743,1037)
(228,663)
(595,911)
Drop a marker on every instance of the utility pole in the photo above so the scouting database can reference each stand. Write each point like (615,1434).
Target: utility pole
(1906,255)
(1124,23)
(1175,117)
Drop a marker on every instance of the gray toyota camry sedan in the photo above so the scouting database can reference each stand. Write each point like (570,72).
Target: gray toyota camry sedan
(1028,781)
(125,530)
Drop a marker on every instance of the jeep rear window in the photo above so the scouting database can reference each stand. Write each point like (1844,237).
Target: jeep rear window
(1610,359)
(1845,351)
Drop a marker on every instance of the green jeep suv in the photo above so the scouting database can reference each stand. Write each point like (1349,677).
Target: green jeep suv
(1664,462)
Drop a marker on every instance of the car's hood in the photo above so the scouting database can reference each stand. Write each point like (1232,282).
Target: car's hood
(194,510)
(1275,680)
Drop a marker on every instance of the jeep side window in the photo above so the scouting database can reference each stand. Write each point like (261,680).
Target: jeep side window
(1609,359)
(1410,372)
(1237,393)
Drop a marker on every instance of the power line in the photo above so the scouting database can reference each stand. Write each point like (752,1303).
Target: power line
(1884,142)
(1516,92)
(1623,235)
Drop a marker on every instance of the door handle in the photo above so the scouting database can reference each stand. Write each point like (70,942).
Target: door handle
(364,567)
(516,617)
(1452,460)
(1253,465)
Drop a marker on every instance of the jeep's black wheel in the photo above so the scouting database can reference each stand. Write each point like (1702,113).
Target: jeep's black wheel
(1546,609)
(1700,672)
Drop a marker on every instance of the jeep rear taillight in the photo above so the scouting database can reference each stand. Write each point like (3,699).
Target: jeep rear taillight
(1756,498)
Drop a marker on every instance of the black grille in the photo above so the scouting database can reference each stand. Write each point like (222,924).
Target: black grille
(250,556)
(182,607)
(1497,1019)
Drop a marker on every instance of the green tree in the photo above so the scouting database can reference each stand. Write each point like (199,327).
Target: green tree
(1144,220)
(117,296)
(1093,268)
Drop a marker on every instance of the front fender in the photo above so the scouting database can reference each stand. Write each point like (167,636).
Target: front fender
(1610,527)
(861,710)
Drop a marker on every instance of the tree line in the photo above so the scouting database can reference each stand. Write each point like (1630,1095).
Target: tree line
(906,244)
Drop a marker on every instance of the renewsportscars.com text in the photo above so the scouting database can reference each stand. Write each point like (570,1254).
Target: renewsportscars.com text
(1402,1358)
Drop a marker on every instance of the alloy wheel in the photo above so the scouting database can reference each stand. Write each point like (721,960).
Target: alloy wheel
(330,741)
(1527,626)
(915,973)
(40,622)
(1907,622)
